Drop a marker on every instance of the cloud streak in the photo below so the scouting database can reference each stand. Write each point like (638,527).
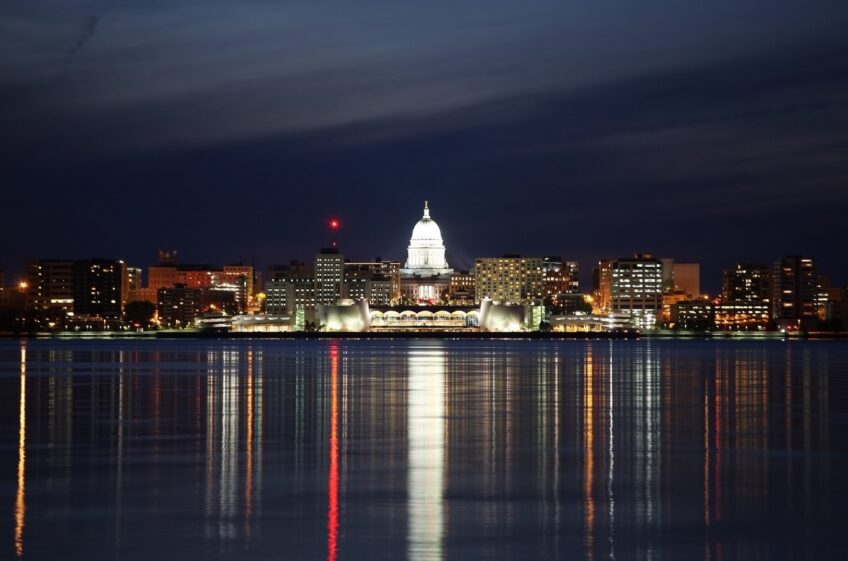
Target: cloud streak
(87,34)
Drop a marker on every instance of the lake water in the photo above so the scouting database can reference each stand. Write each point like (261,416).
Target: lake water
(423,449)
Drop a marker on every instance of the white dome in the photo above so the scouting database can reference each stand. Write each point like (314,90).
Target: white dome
(426,252)
(426,232)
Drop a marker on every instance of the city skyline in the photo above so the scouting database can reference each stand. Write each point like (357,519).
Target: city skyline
(335,293)
(335,236)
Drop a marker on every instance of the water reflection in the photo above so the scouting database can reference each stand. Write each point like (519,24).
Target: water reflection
(333,472)
(20,504)
(589,456)
(426,441)
(425,450)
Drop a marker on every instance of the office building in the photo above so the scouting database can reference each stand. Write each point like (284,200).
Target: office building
(289,287)
(50,284)
(687,278)
(794,295)
(461,289)
(179,305)
(378,281)
(747,282)
(329,276)
(100,289)
(509,279)
(560,277)
(602,286)
(635,288)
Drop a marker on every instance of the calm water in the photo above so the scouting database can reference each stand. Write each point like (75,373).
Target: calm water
(423,449)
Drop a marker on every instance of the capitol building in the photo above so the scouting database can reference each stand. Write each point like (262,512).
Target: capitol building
(426,274)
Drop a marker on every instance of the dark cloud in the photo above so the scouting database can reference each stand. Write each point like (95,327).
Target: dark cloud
(670,144)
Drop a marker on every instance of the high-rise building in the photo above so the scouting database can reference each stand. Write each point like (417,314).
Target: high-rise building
(288,287)
(687,278)
(748,282)
(133,278)
(794,295)
(162,276)
(636,289)
(560,277)
(602,284)
(667,274)
(179,305)
(511,278)
(378,281)
(100,288)
(329,276)
(236,279)
(683,278)
(50,284)
(239,275)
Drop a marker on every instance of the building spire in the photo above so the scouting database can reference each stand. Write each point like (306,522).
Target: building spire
(426,210)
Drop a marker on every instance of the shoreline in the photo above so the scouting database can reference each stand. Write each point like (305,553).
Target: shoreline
(533,335)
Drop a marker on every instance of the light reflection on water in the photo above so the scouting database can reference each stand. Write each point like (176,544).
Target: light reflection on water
(425,449)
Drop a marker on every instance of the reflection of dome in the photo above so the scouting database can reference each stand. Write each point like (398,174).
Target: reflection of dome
(426,253)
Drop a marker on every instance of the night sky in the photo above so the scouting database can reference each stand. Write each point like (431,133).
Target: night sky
(706,131)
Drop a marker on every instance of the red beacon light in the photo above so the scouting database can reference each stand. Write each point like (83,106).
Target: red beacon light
(334,224)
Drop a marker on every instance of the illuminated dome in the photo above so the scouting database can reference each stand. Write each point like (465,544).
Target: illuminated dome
(426,252)
(426,232)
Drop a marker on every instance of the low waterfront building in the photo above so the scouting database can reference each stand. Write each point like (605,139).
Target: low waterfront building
(742,316)
(694,315)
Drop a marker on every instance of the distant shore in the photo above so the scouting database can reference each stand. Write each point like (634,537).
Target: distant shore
(534,335)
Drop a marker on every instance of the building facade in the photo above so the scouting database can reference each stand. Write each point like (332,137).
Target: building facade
(100,289)
(560,277)
(635,288)
(179,305)
(510,279)
(794,294)
(50,284)
(329,276)
(425,277)
(288,287)
(747,282)
(378,281)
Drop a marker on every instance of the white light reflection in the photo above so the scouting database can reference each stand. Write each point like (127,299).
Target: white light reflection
(229,443)
(426,426)
(611,498)
(20,503)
